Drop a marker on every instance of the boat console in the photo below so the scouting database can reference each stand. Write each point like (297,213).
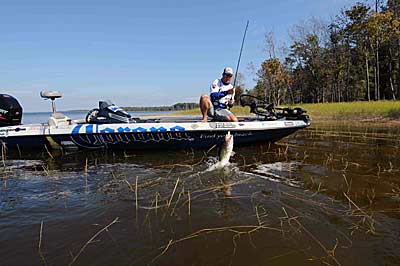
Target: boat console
(56,119)
(108,113)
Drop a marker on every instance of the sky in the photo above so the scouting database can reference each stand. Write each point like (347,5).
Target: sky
(137,53)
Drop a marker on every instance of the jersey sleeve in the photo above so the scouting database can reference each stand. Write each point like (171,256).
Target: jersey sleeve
(214,86)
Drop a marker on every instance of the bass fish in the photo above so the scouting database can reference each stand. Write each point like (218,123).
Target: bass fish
(225,153)
(226,150)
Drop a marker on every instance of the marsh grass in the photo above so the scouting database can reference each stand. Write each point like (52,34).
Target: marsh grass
(351,110)
(288,225)
(394,113)
(295,224)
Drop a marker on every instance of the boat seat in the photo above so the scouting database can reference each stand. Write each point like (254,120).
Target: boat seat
(59,119)
(58,116)
(50,95)
(79,121)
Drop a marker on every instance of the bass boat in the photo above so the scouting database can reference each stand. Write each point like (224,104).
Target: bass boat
(111,127)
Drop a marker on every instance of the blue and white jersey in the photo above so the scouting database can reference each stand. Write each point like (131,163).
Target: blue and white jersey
(219,93)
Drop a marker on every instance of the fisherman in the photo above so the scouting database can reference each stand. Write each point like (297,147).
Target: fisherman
(222,95)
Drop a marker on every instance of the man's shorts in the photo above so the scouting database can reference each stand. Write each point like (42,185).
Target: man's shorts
(218,114)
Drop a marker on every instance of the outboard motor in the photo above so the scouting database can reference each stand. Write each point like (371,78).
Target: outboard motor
(10,111)
(108,113)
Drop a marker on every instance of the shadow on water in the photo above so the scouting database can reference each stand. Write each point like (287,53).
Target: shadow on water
(327,195)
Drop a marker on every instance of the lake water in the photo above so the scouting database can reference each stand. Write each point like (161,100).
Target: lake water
(327,195)
(43,117)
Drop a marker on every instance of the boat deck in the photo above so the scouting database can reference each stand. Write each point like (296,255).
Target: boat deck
(177,119)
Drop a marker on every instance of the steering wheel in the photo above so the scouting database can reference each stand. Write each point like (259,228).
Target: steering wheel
(92,114)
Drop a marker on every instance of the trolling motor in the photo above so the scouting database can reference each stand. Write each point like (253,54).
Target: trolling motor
(267,110)
(108,113)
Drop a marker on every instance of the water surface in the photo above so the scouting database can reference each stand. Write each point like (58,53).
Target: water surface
(327,195)
(43,117)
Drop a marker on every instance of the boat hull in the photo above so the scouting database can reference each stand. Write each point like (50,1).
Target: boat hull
(144,136)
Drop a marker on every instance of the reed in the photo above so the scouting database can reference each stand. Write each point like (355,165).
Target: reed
(177,201)
(156,202)
(86,175)
(46,170)
(91,240)
(48,152)
(3,153)
(40,237)
(235,230)
(367,221)
(19,151)
(188,193)
(173,192)
(40,244)
(329,253)
(136,195)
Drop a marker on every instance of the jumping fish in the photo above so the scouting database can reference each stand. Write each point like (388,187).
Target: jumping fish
(225,153)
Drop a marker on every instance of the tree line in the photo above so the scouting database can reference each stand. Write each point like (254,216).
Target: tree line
(175,107)
(356,56)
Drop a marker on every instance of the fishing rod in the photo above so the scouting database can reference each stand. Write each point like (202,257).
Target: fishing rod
(240,56)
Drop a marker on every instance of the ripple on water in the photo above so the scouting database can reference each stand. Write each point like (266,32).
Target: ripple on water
(281,172)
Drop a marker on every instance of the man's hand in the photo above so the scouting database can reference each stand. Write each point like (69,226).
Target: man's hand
(230,103)
(231,91)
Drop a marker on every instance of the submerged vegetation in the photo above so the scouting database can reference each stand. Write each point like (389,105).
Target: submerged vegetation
(327,195)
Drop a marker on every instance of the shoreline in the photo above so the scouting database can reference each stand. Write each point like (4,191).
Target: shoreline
(316,120)
(382,112)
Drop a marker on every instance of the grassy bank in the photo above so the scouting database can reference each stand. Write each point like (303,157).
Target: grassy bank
(351,110)
(341,111)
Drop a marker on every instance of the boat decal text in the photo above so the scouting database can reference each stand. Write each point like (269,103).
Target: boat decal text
(222,125)
(220,136)
(94,128)
(289,124)
(102,140)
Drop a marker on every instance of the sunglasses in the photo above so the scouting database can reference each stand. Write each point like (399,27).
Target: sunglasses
(228,75)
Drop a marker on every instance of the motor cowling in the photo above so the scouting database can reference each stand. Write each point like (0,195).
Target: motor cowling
(10,111)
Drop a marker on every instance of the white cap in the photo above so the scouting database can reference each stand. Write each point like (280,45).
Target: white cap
(228,70)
